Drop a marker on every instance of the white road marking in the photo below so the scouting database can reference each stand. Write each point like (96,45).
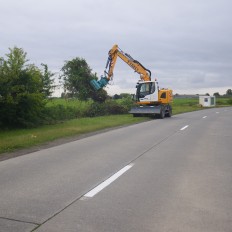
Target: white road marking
(183,128)
(217,112)
(107,182)
(205,117)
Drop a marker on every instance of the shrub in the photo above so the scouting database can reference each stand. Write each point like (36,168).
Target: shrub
(126,102)
(106,108)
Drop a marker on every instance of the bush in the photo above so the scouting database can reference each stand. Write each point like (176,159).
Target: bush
(126,102)
(60,113)
(23,88)
(112,107)
(107,108)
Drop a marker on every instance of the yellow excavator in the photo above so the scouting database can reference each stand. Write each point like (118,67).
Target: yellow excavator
(150,100)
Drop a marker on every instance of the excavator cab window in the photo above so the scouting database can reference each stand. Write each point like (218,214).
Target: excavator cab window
(163,95)
(144,89)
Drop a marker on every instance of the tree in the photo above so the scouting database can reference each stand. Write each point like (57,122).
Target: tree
(47,81)
(229,92)
(116,96)
(21,91)
(77,75)
(125,95)
(216,94)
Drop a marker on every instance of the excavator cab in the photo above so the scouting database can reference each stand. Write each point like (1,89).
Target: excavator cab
(146,92)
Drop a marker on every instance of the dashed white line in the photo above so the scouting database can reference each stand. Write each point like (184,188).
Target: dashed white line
(107,182)
(205,117)
(217,112)
(183,128)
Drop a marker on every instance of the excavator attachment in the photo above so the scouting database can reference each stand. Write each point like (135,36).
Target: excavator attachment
(98,84)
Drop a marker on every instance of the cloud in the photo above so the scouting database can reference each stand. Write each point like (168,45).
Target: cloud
(186,44)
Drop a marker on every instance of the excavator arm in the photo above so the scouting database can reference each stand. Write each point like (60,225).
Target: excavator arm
(114,53)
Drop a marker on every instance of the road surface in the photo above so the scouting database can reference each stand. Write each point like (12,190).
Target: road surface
(164,175)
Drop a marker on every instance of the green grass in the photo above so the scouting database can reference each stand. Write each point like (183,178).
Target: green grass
(182,105)
(224,101)
(12,140)
(74,103)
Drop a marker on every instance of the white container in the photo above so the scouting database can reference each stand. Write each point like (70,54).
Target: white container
(207,101)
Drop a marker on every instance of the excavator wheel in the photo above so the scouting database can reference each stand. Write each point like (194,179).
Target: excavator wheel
(136,115)
(169,114)
(162,113)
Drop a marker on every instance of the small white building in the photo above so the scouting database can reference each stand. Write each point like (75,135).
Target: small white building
(207,101)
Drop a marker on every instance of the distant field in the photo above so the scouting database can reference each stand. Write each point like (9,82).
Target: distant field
(224,101)
(12,140)
(182,105)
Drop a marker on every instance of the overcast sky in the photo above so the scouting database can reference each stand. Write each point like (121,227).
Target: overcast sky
(187,44)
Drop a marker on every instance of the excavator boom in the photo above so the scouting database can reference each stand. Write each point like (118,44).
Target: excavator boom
(114,53)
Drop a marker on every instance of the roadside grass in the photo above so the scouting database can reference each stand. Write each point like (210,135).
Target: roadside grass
(224,101)
(183,105)
(11,140)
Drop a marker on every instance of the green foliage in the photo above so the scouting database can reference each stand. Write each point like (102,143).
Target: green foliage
(216,94)
(127,102)
(109,107)
(99,96)
(76,75)
(229,92)
(47,81)
(59,109)
(229,101)
(21,91)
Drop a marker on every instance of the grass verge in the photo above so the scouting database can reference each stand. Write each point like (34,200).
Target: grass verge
(12,140)
(183,105)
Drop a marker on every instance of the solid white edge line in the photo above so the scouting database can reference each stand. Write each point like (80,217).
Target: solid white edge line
(183,128)
(107,182)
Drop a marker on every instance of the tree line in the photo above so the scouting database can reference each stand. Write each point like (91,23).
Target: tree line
(227,94)
(25,88)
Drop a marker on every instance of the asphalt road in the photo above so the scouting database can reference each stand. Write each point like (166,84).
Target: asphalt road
(167,175)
